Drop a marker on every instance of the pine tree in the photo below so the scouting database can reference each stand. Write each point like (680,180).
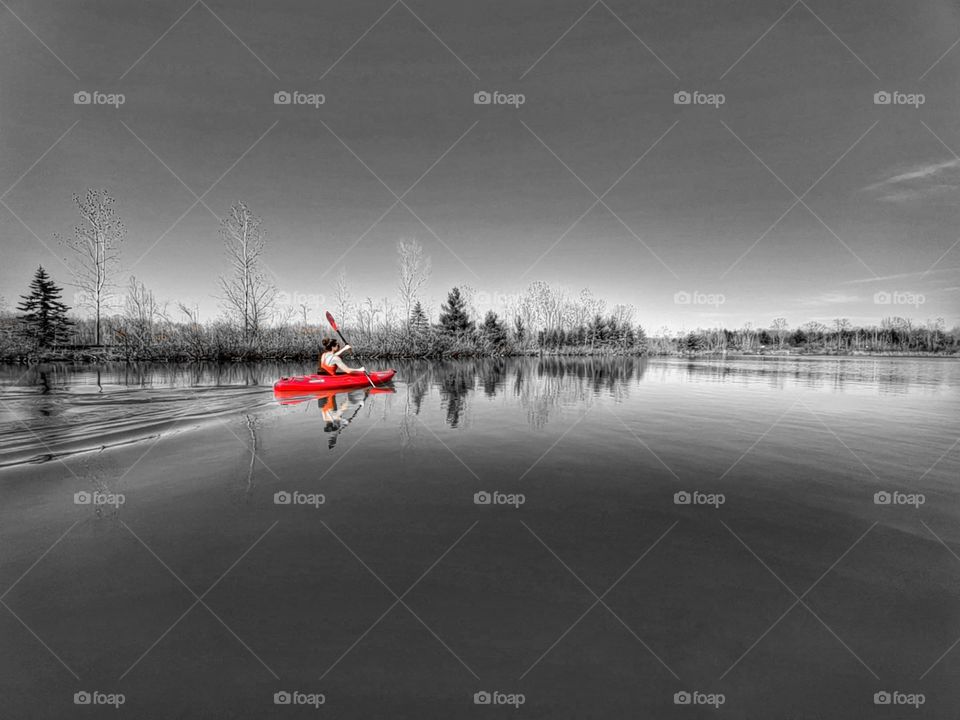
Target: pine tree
(519,330)
(494,331)
(597,330)
(454,319)
(418,319)
(693,342)
(43,317)
(640,338)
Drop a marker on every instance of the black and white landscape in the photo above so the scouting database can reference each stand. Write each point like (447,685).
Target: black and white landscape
(672,293)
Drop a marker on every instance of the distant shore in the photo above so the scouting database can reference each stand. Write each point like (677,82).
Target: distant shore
(101,355)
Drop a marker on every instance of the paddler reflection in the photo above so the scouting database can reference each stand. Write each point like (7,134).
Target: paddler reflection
(332,409)
(337,409)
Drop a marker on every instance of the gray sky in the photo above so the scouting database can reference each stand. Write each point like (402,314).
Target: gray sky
(500,188)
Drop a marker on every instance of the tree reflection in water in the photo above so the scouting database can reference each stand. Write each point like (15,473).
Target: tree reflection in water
(539,384)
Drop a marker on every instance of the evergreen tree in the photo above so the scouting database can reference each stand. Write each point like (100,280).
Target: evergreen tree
(640,338)
(597,330)
(519,330)
(418,319)
(693,342)
(454,319)
(494,332)
(43,317)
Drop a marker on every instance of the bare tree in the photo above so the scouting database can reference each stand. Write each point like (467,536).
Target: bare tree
(284,316)
(141,312)
(414,273)
(585,308)
(469,294)
(623,314)
(780,327)
(546,306)
(367,312)
(344,300)
(96,249)
(193,330)
(390,313)
(841,325)
(247,294)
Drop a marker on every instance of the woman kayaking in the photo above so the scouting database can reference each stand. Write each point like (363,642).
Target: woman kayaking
(330,362)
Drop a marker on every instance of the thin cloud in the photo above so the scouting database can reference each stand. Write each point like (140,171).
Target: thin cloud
(918,181)
(900,276)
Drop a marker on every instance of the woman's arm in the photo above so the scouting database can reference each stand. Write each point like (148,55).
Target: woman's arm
(338,362)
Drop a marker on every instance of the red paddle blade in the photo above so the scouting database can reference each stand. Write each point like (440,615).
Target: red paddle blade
(333,323)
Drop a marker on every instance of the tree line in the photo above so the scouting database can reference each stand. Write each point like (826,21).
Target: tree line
(543,319)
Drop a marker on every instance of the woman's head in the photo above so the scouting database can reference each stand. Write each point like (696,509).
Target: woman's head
(330,345)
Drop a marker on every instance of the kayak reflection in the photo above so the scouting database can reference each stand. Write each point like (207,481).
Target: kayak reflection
(337,408)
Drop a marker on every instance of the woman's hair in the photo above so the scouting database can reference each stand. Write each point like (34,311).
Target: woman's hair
(329,344)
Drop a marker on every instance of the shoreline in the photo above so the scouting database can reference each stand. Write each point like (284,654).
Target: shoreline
(93,358)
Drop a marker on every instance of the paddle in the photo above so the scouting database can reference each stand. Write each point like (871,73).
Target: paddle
(333,324)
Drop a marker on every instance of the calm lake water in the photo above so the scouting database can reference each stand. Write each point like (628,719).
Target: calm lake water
(590,537)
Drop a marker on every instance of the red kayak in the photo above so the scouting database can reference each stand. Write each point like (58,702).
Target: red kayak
(310,383)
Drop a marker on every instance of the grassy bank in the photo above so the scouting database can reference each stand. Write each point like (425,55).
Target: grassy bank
(167,341)
(93,354)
